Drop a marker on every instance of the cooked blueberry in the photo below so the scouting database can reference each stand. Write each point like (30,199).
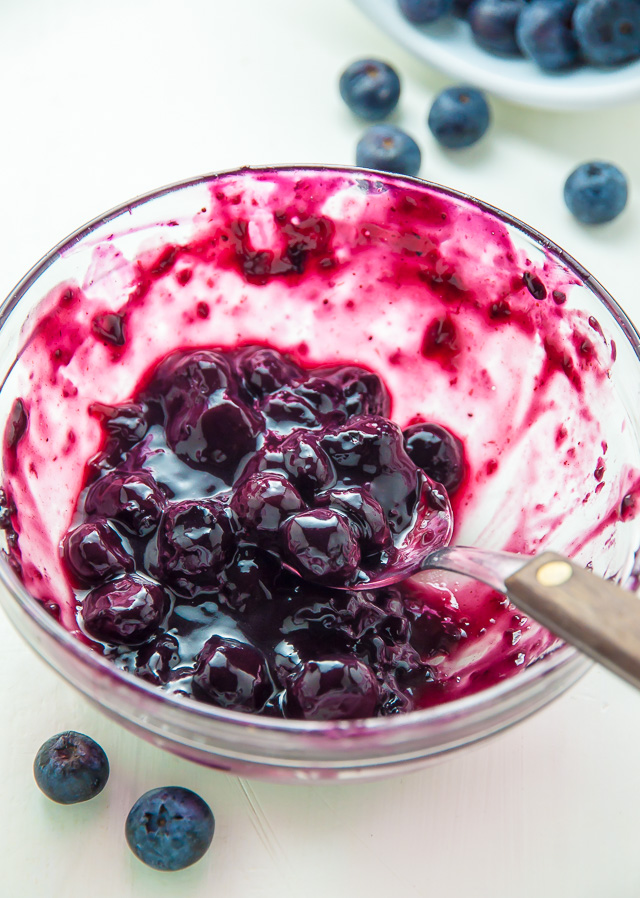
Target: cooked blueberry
(286,410)
(460,8)
(370,88)
(364,448)
(387,148)
(332,689)
(306,462)
(249,578)
(132,500)
(264,370)
(186,377)
(127,423)
(363,391)
(608,31)
(493,25)
(263,502)
(321,544)
(438,452)
(361,508)
(157,660)
(545,35)
(213,434)
(459,117)
(596,192)
(233,675)
(169,828)
(124,612)
(194,542)
(420,12)
(71,767)
(94,551)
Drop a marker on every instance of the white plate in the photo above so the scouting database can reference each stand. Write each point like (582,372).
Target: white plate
(448,46)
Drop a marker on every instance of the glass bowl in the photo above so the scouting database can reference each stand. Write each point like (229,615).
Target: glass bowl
(578,427)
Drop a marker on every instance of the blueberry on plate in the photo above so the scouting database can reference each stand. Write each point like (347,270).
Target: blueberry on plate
(493,25)
(124,612)
(387,148)
(370,88)
(169,828)
(341,688)
(608,31)
(94,552)
(459,117)
(420,12)
(596,192)
(71,767)
(438,452)
(545,35)
(232,674)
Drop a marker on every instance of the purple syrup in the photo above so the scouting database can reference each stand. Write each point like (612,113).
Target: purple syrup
(421,301)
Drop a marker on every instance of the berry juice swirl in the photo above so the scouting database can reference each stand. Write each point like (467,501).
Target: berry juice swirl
(184,418)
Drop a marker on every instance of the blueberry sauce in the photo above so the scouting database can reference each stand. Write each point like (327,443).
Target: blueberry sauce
(277,379)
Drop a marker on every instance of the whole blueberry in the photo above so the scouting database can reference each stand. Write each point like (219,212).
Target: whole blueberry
(169,828)
(545,35)
(438,452)
(608,31)
(306,462)
(321,545)
(265,370)
(493,25)
(370,88)
(232,674)
(596,192)
(363,510)
(124,612)
(363,392)
(341,688)
(387,148)
(132,500)
(71,767)
(263,502)
(461,8)
(423,11)
(93,552)
(459,117)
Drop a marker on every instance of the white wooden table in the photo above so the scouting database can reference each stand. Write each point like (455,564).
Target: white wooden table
(102,101)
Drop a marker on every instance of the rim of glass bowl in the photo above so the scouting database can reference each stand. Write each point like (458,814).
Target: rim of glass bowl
(501,696)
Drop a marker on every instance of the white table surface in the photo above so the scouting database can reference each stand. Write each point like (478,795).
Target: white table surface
(101,101)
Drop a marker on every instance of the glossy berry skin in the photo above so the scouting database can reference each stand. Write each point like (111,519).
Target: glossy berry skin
(70,767)
(370,88)
(596,192)
(169,828)
(422,12)
(493,25)
(363,393)
(94,552)
(232,674)
(264,371)
(544,34)
(387,148)
(263,502)
(363,510)
(438,452)
(321,545)
(132,500)
(124,612)
(306,463)
(459,117)
(332,689)
(608,31)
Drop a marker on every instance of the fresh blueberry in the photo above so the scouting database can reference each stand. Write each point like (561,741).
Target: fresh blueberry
(194,541)
(332,689)
(596,192)
(322,545)
(493,25)
(124,612)
(132,500)
(233,675)
(263,502)
(459,117)
(438,452)
(264,370)
(608,31)
(71,767)
(387,148)
(545,35)
(169,828)
(370,88)
(94,552)
(423,11)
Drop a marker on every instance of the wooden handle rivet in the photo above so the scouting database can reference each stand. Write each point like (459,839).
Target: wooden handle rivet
(554,573)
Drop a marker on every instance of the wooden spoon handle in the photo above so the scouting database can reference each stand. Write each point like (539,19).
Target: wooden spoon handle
(595,615)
